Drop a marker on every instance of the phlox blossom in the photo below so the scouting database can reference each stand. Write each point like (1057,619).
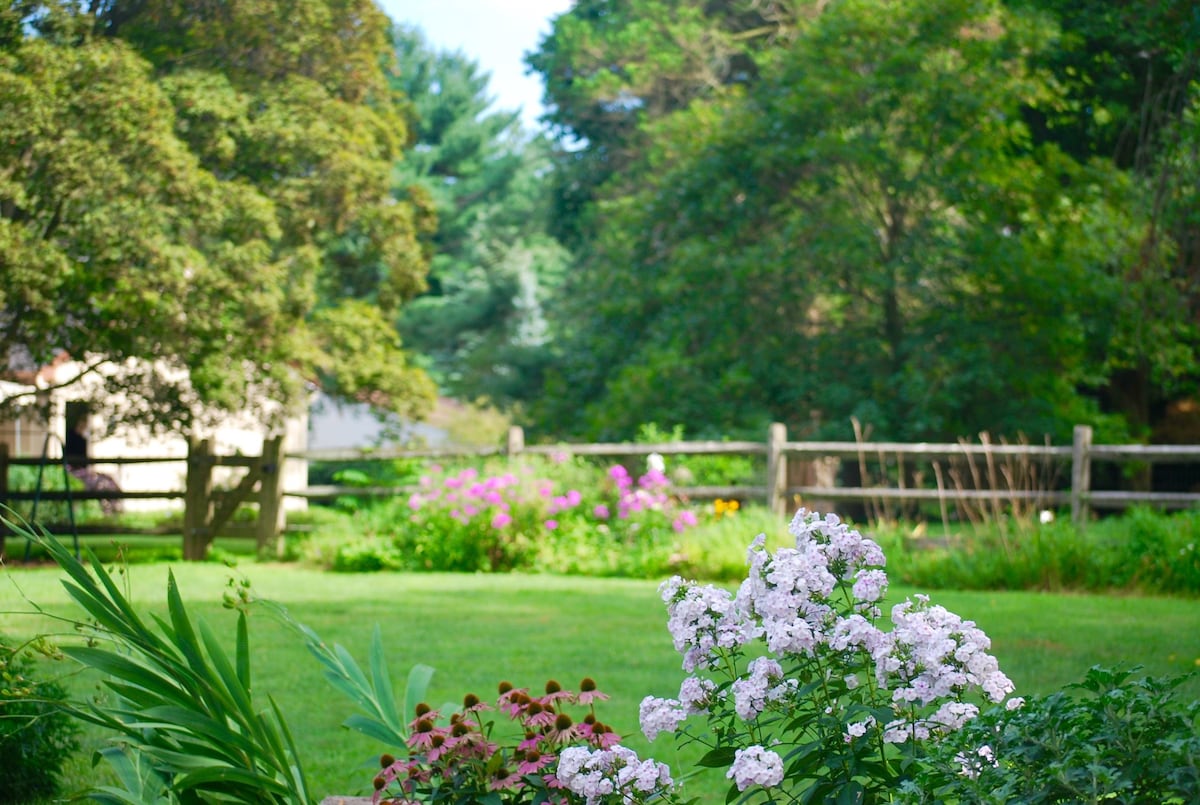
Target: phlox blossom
(660,715)
(755,765)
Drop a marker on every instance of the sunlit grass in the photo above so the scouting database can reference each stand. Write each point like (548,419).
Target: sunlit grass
(479,629)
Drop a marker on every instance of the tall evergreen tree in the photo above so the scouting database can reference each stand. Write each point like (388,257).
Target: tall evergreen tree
(481,325)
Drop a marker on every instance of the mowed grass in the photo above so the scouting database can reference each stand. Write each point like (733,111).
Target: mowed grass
(477,630)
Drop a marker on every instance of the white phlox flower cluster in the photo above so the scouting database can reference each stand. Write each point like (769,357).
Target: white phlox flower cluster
(755,765)
(695,694)
(660,715)
(930,655)
(845,549)
(933,653)
(816,607)
(600,774)
(858,729)
(972,766)
(763,683)
(789,593)
(701,620)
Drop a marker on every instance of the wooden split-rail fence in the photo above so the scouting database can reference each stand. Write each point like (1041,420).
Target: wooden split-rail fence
(984,477)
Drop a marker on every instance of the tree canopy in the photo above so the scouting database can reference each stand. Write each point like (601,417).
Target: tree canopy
(803,211)
(481,325)
(201,194)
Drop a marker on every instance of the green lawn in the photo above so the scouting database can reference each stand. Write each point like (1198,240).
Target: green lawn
(479,629)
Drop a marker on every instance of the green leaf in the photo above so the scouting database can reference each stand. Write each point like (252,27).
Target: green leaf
(415,689)
(374,728)
(296,771)
(719,757)
(851,793)
(384,697)
(128,668)
(243,651)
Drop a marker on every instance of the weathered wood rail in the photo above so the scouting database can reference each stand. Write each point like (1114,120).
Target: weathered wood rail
(986,477)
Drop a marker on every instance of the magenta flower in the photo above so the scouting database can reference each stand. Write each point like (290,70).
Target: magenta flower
(500,782)
(551,525)
(685,520)
(588,692)
(601,512)
(501,519)
(534,762)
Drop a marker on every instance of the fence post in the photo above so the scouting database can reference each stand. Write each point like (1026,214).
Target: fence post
(272,519)
(3,492)
(1081,474)
(516,440)
(198,501)
(777,469)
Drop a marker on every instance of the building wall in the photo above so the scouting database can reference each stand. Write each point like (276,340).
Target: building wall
(26,437)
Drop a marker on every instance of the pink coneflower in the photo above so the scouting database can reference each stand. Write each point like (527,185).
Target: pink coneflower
(501,519)
(504,778)
(551,780)
(554,693)
(588,692)
(422,734)
(551,525)
(438,746)
(564,730)
(599,735)
(473,704)
(533,761)
(538,715)
(512,700)
(532,739)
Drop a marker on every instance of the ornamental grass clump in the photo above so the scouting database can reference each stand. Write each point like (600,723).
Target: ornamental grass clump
(545,755)
(803,696)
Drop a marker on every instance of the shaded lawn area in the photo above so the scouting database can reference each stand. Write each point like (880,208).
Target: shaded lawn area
(477,630)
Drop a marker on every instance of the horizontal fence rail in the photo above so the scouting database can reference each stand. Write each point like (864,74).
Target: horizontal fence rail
(983,476)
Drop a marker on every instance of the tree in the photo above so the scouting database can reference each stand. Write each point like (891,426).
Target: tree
(611,65)
(1131,74)
(199,193)
(866,229)
(481,324)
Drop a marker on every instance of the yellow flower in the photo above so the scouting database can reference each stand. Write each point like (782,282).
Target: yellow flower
(724,507)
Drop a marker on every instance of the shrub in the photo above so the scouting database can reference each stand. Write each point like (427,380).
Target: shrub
(36,734)
(1142,550)
(1109,738)
(560,515)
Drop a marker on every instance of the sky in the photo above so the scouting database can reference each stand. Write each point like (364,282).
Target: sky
(495,33)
